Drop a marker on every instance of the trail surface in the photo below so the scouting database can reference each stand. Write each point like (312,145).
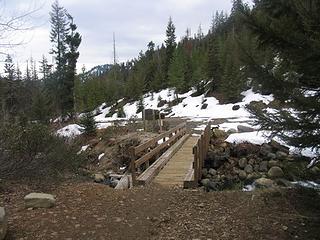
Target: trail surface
(91,211)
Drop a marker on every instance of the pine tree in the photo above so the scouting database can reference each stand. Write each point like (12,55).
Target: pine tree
(58,35)
(177,71)
(73,41)
(170,47)
(89,124)
(9,69)
(290,29)
(45,68)
(40,109)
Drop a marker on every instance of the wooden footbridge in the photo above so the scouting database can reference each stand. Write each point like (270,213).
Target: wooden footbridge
(174,158)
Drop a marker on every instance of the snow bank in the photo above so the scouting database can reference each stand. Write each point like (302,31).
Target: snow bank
(190,107)
(257,137)
(70,131)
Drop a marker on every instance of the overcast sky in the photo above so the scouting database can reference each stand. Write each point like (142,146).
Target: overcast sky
(135,23)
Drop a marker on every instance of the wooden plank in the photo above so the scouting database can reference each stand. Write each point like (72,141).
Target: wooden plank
(189,181)
(155,140)
(156,150)
(147,176)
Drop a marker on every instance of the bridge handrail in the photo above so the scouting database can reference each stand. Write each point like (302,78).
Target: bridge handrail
(152,147)
(200,151)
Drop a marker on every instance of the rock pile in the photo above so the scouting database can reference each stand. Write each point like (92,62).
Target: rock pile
(229,166)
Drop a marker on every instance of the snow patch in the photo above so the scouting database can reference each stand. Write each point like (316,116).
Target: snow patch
(70,131)
(101,156)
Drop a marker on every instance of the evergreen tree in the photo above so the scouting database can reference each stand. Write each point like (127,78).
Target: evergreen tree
(9,68)
(290,29)
(89,124)
(73,41)
(170,47)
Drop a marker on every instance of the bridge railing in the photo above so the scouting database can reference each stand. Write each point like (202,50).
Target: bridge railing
(200,151)
(143,153)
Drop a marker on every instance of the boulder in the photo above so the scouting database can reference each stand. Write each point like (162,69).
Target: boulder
(210,185)
(232,131)
(263,166)
(204,172)
(235,107)
(279,147)
(275,172)
(212,172)
(271,156)
(273,163)
(217,133)
(248,169)
(281,155)
(3,223)
(265,149)
(264,183)
(99,178)
(39,200)
(204,106)
(242,175)
(243,129)
(243,162)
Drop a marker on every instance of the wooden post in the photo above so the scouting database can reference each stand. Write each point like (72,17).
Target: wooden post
(144,120)
(132,166)
(195,164)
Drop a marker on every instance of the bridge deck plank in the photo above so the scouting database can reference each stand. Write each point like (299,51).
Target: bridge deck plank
(177,168)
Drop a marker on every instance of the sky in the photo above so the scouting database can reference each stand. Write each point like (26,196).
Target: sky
(135,23)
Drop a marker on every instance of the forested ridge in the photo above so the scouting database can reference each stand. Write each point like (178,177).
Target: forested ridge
(272,46)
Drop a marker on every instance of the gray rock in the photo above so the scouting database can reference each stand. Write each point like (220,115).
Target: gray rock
(265,149)
(39,200)
(212,172)
(273,163)
(256,167)
(243,129)
(263,166)
(264,183)
(235,107)
(3,223)
(251,161)
(271,156)
(281,155)
(204,172)
(253,176)
(209,185)
(205,182)
(275,172)
(232,131)
(99,178)
(243,163)
(248,169)
(279,147)
(242,175)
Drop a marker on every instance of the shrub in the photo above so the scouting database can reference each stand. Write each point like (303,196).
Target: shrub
(32,152)
(89,124)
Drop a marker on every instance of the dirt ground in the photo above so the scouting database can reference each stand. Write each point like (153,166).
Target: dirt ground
(91,211)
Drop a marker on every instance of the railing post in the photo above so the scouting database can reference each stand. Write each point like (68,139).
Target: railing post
(132,166)
(195,163)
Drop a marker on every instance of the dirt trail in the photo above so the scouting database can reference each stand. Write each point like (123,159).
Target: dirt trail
(91,211)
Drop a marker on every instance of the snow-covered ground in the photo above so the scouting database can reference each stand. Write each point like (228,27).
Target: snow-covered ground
(191,109)
(70,131)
